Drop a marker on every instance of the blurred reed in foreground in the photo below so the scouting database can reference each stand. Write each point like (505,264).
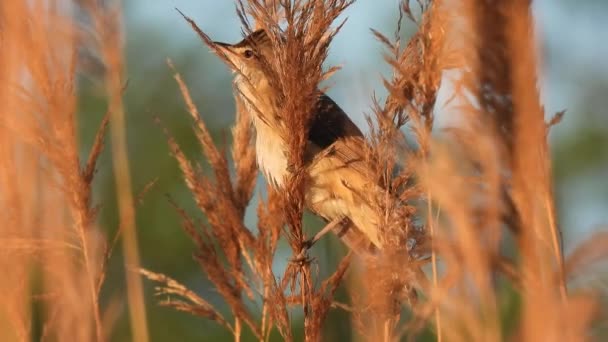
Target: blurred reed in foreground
(53,253)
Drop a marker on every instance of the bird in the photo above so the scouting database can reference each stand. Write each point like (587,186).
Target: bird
(340,182)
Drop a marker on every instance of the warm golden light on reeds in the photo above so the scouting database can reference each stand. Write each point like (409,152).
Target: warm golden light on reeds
(459,233)
(452,197)
(48,187)
(108,25)
(52,236)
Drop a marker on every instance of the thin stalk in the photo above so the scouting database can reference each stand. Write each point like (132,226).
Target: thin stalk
(555,239)
(130,246)
(433,259)
(111,50)
(91,284)
(237,330)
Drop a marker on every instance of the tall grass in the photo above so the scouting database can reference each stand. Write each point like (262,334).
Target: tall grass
(451,197)
(53,252)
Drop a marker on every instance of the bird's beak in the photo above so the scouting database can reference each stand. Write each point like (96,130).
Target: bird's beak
(224,51)
(223,48)
(221,45)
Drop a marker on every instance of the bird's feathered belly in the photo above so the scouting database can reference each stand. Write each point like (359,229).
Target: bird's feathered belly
(334,190)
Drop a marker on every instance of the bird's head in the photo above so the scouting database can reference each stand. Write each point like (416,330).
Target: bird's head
(247,57)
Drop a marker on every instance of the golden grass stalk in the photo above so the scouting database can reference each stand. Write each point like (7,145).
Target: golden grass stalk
(15,197)
(47,187)
(107,23)
(53,236)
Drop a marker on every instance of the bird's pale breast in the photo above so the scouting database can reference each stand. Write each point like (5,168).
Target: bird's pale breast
(270,154)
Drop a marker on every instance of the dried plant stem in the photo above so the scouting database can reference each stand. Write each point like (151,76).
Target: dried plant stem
(127,225)
(431,228)
(204,137)
(266,321)
(557,249)
(81,224)
(111,50)
(237,329)
(127,214)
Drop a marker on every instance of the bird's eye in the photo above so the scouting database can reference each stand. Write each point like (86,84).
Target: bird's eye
(248,54)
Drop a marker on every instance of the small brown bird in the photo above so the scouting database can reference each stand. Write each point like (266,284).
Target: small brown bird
(340,183)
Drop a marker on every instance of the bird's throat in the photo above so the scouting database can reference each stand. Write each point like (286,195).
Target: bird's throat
(270,151)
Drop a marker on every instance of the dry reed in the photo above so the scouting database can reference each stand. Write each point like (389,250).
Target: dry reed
(52,249)
(106,21)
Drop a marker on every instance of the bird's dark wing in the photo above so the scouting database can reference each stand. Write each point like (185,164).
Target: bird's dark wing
(332,134)
(330,123)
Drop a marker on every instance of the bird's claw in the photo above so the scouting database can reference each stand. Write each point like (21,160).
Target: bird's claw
(302,257)
(307,244)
